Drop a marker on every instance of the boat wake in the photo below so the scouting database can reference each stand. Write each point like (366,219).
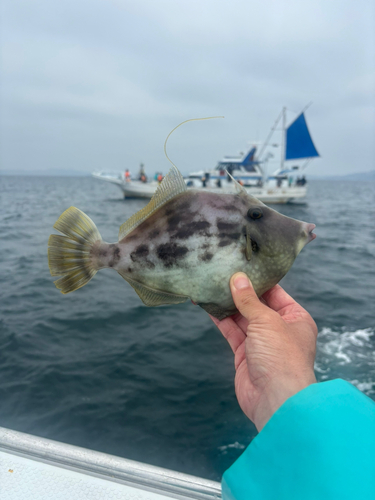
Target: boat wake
(232,446)
(349,355)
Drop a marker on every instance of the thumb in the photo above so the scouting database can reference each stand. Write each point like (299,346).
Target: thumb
(244,296)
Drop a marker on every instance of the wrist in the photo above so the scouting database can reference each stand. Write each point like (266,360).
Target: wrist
(275,395)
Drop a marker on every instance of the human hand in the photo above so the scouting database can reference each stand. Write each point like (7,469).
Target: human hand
(274,343)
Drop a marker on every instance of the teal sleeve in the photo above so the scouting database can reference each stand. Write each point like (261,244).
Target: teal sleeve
(320,444)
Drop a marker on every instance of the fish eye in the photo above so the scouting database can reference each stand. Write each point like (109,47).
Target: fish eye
(254,213)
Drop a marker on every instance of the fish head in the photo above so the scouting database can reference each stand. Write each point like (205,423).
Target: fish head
(275,240)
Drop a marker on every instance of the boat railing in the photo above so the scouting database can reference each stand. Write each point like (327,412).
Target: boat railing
(116,469)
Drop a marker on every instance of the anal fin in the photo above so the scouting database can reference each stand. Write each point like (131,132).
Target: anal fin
(151,297)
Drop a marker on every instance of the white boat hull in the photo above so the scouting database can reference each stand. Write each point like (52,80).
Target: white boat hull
(267,194)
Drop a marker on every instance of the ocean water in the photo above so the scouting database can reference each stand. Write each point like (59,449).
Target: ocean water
(98,369)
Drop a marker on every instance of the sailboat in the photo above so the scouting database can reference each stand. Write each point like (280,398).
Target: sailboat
(296,144)
(286,184)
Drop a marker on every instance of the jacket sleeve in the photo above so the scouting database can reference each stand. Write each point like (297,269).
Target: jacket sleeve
(320,444)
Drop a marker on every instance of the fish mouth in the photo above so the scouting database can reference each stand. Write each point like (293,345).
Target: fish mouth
(307,235)
(308,232)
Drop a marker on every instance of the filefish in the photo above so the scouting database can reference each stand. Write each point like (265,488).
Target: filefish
(183,244)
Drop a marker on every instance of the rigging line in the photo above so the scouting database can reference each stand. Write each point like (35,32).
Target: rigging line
(305,165)
(307,106)
(303,110)
(270,134)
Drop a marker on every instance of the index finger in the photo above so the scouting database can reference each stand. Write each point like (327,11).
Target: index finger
(277,298)
(231,331)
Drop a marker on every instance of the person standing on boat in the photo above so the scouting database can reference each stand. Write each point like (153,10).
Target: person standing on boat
(316,440)
(127,176)
(142,175)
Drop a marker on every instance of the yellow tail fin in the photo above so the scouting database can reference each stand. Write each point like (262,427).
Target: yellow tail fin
(69,255)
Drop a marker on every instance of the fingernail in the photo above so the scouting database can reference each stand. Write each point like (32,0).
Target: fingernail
(241,281)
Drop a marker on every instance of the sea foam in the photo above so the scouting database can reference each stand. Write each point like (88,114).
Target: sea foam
(349,355)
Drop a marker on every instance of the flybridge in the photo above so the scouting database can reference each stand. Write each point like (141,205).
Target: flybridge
(248,162)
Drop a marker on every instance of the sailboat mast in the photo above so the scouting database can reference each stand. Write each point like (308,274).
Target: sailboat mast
(283,139)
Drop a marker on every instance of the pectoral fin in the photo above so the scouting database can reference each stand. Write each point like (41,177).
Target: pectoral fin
(151,297)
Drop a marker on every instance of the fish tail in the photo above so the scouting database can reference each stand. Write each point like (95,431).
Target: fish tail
(70,256)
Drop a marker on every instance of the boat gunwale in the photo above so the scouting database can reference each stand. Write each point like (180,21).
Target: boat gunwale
(116,469)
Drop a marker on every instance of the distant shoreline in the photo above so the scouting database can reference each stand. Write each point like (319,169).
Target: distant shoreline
(42,173)
(360,176)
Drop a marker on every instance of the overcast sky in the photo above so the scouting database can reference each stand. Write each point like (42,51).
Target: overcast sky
(90,84)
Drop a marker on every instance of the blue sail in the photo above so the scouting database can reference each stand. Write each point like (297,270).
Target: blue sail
(298,140)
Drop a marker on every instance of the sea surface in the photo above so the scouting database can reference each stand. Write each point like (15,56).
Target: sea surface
(96,368)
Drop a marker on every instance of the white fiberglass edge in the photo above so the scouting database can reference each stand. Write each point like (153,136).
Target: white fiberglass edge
(149,482)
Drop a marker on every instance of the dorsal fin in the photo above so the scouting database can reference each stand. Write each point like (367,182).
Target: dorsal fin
(239,189)
(172,185)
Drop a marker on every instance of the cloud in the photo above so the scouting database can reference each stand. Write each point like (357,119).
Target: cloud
(94,83)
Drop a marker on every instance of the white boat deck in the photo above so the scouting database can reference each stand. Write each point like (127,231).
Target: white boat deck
(41,469)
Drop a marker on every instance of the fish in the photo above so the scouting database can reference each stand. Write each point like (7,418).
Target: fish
(184,244)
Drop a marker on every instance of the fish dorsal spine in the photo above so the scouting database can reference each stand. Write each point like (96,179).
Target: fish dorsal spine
(239,189)
(172,185)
